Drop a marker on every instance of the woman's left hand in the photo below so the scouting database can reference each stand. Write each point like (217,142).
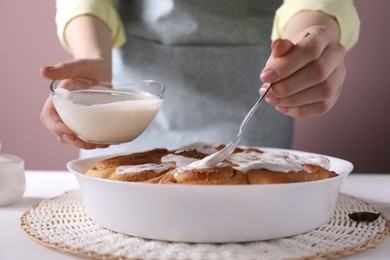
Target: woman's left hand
(307,73)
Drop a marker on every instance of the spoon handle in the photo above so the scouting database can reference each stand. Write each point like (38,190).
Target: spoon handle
(252,111)
(215,158)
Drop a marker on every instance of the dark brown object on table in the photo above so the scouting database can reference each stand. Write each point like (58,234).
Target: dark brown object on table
(364,216)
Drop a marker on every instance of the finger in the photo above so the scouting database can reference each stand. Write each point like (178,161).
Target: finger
(87,146)
(281,47)
(315,101)
(312,74)
(52,121)
(64,135)
(79,143)
(304,52)
(327,90)
(306,111)
(66,70)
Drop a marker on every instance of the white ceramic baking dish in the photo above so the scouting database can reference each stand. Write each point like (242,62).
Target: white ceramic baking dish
(220,214)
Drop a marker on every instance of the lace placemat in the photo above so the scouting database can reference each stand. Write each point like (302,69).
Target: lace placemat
(61,223)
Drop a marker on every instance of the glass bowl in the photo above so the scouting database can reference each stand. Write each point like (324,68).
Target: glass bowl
(107,113)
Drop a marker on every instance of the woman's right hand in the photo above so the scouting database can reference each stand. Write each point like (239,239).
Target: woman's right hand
(92,69)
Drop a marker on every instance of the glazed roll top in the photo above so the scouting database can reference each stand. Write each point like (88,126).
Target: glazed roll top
(244,166)
(105,168)
(149,172)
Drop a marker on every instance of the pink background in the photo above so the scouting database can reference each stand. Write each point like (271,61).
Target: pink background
(357,128)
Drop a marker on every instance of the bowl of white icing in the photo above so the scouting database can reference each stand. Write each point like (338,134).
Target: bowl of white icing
(107,113)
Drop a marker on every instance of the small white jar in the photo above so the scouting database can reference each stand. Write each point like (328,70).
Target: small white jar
(12,179)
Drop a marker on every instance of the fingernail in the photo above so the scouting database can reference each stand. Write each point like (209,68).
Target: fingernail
(274,43)
(48,67)
(268,75)
(68,138)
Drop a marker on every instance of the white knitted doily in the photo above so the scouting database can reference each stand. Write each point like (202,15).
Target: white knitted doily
(61,223)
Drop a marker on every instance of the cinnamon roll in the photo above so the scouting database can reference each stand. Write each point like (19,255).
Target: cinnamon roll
(221,174)
(104,169)
(264,176)
(281,167)
(149,172)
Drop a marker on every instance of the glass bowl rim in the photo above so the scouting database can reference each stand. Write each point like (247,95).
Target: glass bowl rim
(160,95)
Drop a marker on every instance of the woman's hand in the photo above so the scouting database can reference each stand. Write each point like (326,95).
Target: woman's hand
(89,42)
(307,73)
(92,69)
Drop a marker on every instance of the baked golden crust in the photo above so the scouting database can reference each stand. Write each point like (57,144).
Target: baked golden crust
(263,176)
(191,153)
(105,168)
(207,176)
(239,149)
(319,173)
(103,173)
(152,156)
(139,176)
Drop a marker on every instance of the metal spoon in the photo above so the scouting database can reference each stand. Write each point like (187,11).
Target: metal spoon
(217,157)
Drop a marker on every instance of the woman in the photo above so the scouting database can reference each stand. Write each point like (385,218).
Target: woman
(209,54)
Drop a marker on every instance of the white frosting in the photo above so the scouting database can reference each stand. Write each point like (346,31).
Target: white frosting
(180,160)
(280,161)
(143,167)
(275,160)
(318,160)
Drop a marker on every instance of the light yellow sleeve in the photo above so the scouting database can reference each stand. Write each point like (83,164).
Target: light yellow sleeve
(343,11)
(103,9)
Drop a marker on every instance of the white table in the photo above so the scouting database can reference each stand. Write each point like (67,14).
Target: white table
(14,244)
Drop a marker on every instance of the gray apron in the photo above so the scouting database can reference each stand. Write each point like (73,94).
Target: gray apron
(209,55)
